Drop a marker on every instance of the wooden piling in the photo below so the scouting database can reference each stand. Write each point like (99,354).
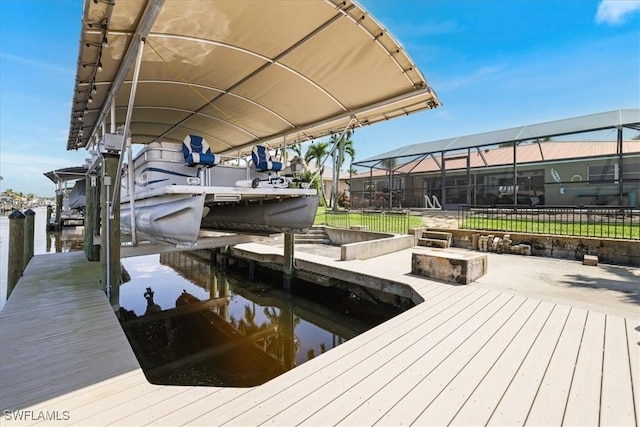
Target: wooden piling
(49,215)
(91,225)
(29,237)
(59,201)
(288,266)
(16,250)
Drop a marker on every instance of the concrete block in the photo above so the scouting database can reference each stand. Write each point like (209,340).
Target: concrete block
(456,267)
(590,260)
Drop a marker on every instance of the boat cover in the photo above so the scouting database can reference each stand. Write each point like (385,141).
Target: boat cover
(239,73)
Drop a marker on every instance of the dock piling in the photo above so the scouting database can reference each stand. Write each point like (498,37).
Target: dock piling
(29,237)
(288,265)
(16,250)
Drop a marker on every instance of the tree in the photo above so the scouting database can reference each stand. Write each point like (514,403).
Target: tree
(318,152)
(342,144)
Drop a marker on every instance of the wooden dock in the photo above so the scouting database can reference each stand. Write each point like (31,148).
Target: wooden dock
(468,355)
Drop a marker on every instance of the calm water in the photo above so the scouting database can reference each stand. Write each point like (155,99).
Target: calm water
(236,331)
(202,327)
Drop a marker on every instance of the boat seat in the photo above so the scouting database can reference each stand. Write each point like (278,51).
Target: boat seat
(197,152)
(262,159)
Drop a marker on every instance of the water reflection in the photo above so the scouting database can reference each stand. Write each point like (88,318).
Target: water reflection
(189,324)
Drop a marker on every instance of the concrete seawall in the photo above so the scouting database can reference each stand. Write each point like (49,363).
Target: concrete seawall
(611,251)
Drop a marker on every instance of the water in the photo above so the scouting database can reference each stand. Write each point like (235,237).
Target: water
(203,327)
(237,332)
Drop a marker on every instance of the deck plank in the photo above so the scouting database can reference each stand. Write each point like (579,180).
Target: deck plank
(479,407)
(515,404)
(616,403)
(633,348)
(389,363)
(548,406)
(453,395)
(412,404)
(583,405)
(388,395)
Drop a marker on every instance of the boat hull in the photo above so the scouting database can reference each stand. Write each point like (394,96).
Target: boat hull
(290,215)
(172,218)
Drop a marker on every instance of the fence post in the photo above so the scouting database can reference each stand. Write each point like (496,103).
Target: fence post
(16,250)
(28,237)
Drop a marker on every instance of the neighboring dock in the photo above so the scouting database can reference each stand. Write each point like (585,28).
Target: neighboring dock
(472,354)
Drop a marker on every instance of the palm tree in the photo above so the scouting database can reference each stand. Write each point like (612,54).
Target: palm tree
(318,152)
(343,144)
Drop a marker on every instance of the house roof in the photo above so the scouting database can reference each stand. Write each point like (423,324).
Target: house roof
(503,156)
(593,122)
(238,72)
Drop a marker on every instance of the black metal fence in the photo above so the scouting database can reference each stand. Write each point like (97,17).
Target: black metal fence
(390,221)
(588,221)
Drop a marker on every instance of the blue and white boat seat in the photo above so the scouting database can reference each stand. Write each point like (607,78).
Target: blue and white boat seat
(263,161)
(197,152)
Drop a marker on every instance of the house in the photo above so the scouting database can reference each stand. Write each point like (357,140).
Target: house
(586,160)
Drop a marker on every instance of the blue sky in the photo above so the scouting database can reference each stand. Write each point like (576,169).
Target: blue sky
(495,64)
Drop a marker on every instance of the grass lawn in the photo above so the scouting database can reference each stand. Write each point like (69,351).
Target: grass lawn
(383,222)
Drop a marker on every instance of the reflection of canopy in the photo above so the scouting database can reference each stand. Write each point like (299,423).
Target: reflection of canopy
(239,73)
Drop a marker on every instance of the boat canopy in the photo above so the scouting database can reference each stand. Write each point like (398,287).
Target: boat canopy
(238,73)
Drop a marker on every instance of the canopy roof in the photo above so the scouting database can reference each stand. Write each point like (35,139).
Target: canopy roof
(239,72)
(72,173)
(593,122)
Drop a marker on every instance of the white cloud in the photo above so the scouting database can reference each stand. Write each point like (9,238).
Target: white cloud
(614,12)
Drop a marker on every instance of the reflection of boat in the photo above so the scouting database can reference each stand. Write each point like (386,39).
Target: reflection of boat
(175,197)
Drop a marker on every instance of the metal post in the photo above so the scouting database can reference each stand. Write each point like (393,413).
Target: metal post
(29,234)
(443,178)
(16,250)
(468,176)
(110,248)
(620,168)
(515,174)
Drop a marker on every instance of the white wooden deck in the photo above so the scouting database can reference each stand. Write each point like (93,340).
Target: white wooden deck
(468,355)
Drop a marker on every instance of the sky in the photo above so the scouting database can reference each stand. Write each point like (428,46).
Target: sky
(494,64)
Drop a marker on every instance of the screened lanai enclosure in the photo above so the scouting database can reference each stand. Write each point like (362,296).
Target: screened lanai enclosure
(580,161)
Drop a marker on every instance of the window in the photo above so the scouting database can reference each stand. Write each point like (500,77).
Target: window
(602,173)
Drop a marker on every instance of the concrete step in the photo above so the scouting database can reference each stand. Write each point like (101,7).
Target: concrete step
(442,235)
(433,243)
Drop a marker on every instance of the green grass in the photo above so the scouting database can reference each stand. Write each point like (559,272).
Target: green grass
(383,222)
(619,231)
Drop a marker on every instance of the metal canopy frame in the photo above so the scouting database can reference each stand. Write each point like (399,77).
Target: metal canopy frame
(615,120)
(239,73)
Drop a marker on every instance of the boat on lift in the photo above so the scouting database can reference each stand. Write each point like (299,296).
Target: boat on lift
(179,189)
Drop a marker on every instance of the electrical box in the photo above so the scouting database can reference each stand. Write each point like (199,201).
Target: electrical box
(110,143)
